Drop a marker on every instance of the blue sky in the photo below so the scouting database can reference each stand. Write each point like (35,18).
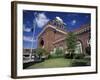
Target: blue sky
(34,21)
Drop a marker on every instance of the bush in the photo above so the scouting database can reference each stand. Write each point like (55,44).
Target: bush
(58,53)
(69,56)
(54,56)
(79,63)
(74,56)
(79,56)
(88,59)
(81,60)
(41,52)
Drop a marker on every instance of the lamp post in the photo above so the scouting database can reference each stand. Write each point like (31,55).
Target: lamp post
(33,34)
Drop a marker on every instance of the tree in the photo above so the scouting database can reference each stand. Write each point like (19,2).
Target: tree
(41,52)
(71,42)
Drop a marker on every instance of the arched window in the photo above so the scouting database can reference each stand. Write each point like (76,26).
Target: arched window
(42,43)
(78,49)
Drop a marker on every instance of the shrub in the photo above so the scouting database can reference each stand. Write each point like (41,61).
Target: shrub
(79,56)
(69,56)
(54,56)
(41,52)
(88,59)
(81,60)
(79,63)
(58,53)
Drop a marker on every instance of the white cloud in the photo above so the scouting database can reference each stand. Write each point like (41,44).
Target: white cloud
(73,22)
(29,39)
(26,29)
(41,20)
(58,18)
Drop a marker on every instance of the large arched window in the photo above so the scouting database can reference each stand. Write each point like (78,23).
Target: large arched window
(78,49)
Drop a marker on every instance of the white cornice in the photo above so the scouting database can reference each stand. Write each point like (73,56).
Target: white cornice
(50,26)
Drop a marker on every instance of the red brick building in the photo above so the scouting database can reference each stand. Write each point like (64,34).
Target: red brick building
(54,34)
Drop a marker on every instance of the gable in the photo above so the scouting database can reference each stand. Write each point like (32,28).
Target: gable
(54,28)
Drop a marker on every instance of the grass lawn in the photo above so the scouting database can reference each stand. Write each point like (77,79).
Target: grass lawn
(52,63)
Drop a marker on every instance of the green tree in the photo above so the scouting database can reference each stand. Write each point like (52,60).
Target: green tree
(71,42)
(41,52)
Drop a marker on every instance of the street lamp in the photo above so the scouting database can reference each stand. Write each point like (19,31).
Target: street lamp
(34,25)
